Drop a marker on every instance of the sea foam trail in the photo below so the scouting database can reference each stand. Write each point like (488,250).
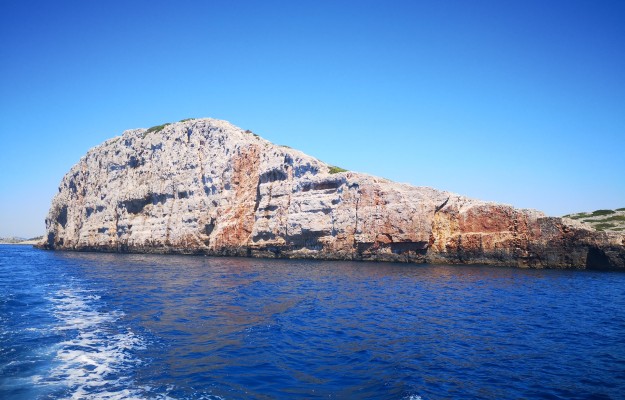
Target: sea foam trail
(94,360)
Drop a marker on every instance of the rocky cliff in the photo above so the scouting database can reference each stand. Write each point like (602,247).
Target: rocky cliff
(204,186)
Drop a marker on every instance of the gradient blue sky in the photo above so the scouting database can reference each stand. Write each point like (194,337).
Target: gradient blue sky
(521,102)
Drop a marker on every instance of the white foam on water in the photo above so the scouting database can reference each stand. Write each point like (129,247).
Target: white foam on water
(94,360)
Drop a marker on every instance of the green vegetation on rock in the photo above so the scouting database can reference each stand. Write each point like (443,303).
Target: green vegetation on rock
(156,128)
(602,220)
(577,216)
(603,226)
(336,170)
(602,212)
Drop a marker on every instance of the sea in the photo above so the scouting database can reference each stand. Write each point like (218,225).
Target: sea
(127,326)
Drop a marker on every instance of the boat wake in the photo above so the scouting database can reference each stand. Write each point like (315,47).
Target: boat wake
(95,360)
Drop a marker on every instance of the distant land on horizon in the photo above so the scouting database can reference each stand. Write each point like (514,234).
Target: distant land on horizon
(20,240)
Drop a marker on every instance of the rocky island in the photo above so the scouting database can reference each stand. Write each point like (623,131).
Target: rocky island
(205,186)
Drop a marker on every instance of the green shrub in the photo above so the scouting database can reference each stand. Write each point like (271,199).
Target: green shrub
(620,218)
(186,119)
(156,128)
(602,212)
(620,209)
(336,170)
(603,226)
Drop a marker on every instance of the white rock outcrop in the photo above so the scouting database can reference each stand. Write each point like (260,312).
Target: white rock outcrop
(204,186)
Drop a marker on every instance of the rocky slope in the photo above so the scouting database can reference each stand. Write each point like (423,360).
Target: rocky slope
(205,186)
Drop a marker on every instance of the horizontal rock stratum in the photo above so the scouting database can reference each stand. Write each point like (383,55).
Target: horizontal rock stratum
(204,186)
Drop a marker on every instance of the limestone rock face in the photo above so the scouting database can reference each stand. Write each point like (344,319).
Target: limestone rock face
(205,186)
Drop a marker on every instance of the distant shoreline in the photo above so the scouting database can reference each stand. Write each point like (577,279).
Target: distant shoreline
(25,242)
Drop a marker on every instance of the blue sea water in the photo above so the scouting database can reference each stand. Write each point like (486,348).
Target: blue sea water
(115,326)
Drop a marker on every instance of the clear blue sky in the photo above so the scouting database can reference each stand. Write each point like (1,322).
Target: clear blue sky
(521,102)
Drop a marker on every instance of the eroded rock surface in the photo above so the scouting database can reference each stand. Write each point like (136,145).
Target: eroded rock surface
(205,186)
